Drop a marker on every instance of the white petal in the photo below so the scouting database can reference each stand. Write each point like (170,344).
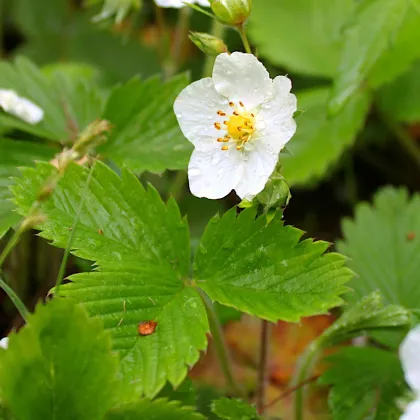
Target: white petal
(204,3)
(412,411)
(260,164)
(275,118)
(410,358)
(180,3)
(20,107)
(241,77)
(215,173)
(196,109)
(4,342)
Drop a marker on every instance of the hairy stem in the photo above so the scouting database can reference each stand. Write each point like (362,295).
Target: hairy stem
(244,37)
(220,345)
(181,34)
(303,373)
(20,306)
(262,366)
(63,265)
(217,30)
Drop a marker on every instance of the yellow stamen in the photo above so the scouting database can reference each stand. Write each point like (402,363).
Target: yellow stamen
(217,126)
(225,148)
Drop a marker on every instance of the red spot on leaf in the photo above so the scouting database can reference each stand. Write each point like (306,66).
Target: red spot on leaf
(147,327)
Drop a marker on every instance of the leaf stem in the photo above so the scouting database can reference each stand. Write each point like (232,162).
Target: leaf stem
(217,30)
(10,245)
(262,366)
(20,306)
(405,140)
(63,265)
(220,345)
(303,373)
(244,37)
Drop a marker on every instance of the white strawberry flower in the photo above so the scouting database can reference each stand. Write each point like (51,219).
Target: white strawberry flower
(410,360)
(181,3)
(238,121)
(4,342)
(20,107)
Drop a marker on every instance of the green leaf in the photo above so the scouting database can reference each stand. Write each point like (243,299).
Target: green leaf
(401,98)
(302,36)
(233,409)
(119,8)
(146,135)
(12,155)
(159,409)
(58,366)
(264,270)
(363,317)
(401,52)
(320,140)
(59,100)
(364,44)
(383,242)
(141,248)
(366,382)
(185,393)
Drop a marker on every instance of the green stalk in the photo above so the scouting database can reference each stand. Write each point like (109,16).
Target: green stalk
(20,306)
(10,245)
(220,345)
(63,265)
(181,34)
(217,30)
(303,373)
(244,37)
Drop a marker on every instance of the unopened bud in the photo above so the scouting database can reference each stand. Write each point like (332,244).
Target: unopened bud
(32,221)
(275,195)
(209,44)
(92,136)
(231,12)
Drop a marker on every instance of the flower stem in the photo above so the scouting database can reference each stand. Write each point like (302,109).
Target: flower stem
(220,345)
(181,34)
(262,366)
(10,245)
(303,373)
(244,37)
(15,299)
(218,31)
(63,265)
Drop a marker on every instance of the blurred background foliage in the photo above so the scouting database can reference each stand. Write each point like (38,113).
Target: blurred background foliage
(355,67)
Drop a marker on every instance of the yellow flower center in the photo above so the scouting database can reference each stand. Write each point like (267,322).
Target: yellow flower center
(240,126)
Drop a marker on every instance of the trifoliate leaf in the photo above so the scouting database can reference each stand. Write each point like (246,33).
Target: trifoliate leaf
(265,270)
(320,139)
(146,135)
(141,247)
(12,155)
(301,36)
(59,101)
(401,98)
(233,409)
(364,44)
(401,51)
(366,383)
(59,366)
(365,316)
(159,409)
(383,242)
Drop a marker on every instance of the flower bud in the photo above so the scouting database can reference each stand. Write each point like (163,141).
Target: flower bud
(275,195)
(231,12)
(32,221)
(209,44)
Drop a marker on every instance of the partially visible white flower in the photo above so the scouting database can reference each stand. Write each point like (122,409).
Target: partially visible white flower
(20,107)
(4,342)
(181,3)
(410,360)
(238,120)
